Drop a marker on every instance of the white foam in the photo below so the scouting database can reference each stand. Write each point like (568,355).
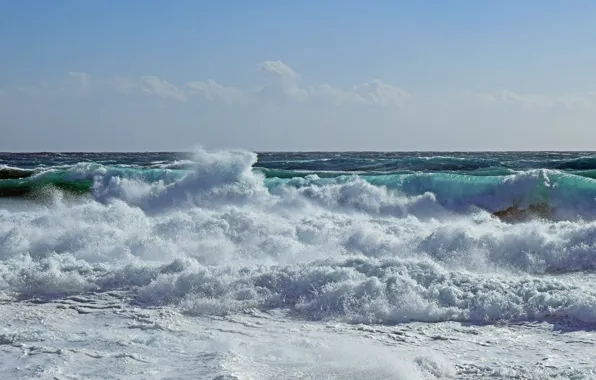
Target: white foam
(218,241)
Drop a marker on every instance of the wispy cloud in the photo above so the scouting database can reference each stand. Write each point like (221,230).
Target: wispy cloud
(280,69)
(285,110)
(154,86)
(212,90)
(533,101)
(282,85)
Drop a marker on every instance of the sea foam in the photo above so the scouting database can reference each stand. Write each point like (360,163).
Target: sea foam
(222,238)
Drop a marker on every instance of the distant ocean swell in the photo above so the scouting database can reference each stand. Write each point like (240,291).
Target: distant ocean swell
(225,232)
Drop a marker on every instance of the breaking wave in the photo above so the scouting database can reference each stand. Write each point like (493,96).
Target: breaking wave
(560,195)
(220,235)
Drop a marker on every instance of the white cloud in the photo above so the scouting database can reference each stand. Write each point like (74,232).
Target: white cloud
(154,86)
(381,93)
(215,91)
(533,101)
(278,68)
(282,83)
(285,81)
(147,85)
(337,96)
(281,86)
(283,110)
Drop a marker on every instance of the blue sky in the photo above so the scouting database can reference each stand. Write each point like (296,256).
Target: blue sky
(465,72)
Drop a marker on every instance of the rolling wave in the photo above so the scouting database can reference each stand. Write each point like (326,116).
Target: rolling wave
(547,193)
(8,172)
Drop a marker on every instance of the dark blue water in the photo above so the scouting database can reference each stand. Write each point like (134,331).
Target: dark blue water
(332,161)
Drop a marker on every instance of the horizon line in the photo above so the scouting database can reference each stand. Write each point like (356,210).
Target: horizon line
(293,151)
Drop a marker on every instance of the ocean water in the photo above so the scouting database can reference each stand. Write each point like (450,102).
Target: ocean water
(238,265)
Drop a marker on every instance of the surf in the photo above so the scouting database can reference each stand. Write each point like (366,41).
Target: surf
(219,237)
(511,195)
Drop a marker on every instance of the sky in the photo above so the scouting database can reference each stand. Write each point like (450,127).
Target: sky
(397,75)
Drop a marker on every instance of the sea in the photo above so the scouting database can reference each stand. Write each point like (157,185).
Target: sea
(231,264)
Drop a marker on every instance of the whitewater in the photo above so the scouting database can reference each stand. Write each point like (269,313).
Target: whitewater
(238,265)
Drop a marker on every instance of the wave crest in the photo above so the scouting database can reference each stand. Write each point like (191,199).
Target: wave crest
(230,177)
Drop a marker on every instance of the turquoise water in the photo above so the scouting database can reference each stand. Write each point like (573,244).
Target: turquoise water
(493,181)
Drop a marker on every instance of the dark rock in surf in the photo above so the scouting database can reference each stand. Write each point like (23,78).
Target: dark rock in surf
(515,214)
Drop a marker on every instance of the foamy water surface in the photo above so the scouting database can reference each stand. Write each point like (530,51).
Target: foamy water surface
(220,269)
